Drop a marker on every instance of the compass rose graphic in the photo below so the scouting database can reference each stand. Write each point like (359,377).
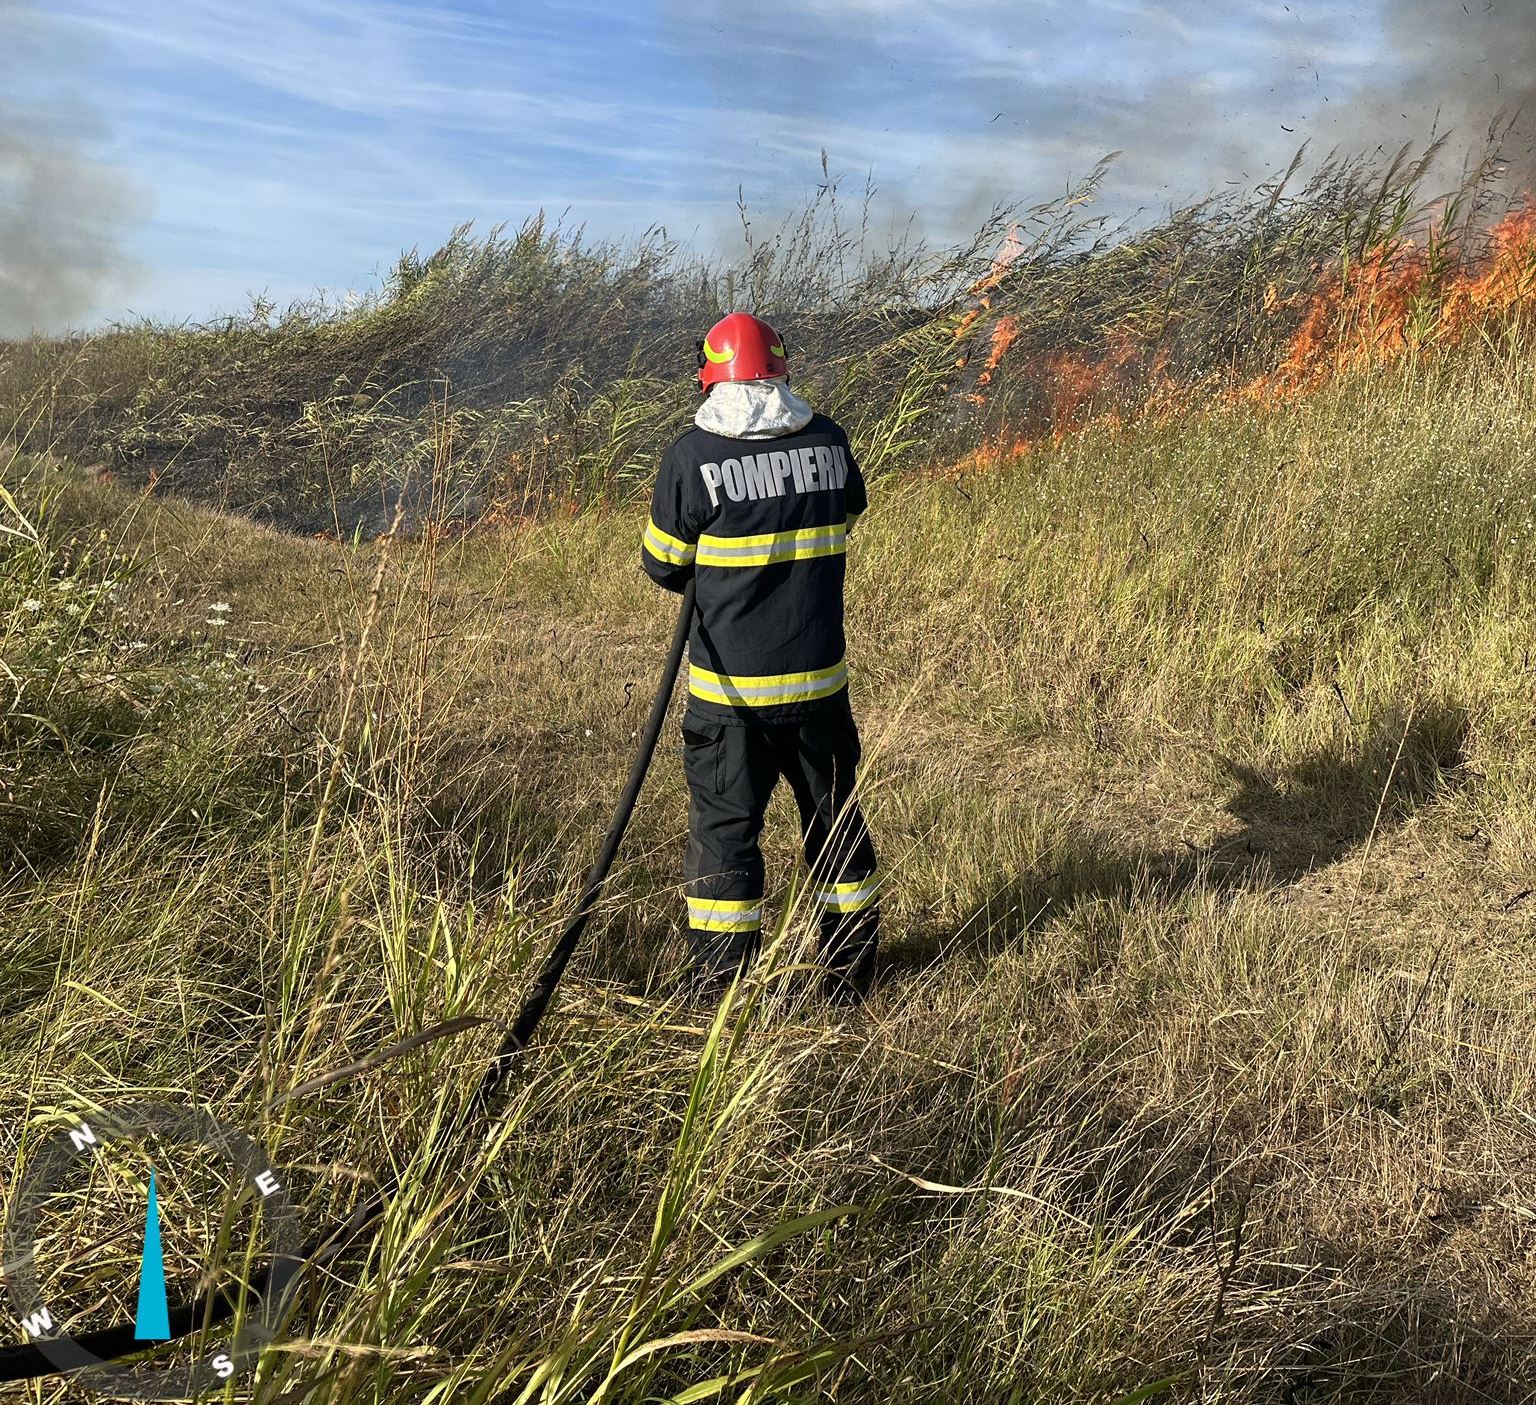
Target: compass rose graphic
(199,1206)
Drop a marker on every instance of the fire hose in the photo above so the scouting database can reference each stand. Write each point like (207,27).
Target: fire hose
(208,1309)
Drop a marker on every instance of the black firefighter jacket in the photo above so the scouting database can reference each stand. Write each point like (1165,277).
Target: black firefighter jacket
(764,523)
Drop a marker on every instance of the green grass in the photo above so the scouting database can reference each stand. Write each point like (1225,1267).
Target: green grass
(1201,756)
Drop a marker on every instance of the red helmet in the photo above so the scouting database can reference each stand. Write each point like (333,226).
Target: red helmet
(740,347)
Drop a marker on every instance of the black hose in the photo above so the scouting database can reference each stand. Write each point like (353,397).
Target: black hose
(23,1362)
(537,1000)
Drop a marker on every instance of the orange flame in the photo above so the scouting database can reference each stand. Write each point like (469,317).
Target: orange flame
(1507,282)
(1004,334)
(1400,297)
(1012,246)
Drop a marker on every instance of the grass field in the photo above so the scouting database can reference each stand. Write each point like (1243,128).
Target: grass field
(1202,758)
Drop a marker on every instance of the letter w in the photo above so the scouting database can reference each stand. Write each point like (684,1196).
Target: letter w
(39,1322)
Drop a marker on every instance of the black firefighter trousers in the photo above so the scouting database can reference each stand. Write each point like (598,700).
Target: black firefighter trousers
(732,770)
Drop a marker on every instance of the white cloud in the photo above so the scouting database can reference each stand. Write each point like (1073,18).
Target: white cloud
(295,142)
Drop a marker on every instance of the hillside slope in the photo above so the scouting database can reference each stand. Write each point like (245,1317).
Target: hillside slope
(1201,757)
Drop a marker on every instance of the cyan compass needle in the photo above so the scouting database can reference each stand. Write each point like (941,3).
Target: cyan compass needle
(152,1322)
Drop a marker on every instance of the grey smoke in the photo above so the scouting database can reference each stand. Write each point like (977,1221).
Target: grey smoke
(1347,79)
(1462,68)
(63,209)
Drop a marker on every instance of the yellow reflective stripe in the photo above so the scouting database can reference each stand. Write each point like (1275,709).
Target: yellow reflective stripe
(766,689)
(798,544)
(723,904)
(853,896)
(765,680)
(666,538)
(771,538)
(772,556)
(725,914)
(665,547)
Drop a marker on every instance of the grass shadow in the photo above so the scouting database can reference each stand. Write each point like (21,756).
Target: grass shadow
(1291,822)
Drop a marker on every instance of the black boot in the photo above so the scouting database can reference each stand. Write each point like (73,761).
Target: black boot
(715,960)
(849,967)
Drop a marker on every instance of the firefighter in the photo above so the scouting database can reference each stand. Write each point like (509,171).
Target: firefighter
(758,500)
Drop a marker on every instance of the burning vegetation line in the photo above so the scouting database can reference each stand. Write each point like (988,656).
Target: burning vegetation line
(1407,294)
(543,370)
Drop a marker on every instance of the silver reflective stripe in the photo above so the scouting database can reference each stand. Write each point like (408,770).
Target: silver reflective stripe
(665,548)
(774,690)
(779,548)
(848,902)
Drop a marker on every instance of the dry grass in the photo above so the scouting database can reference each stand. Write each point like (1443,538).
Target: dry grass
(1201,756)
(553,370)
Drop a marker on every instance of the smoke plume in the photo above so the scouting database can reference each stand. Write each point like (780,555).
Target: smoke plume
(1463,67)
(63,210)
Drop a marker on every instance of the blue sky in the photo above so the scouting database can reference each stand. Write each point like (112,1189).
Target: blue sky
(287,145)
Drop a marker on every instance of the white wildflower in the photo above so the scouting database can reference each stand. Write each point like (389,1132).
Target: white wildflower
(32,606)
(219,607)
